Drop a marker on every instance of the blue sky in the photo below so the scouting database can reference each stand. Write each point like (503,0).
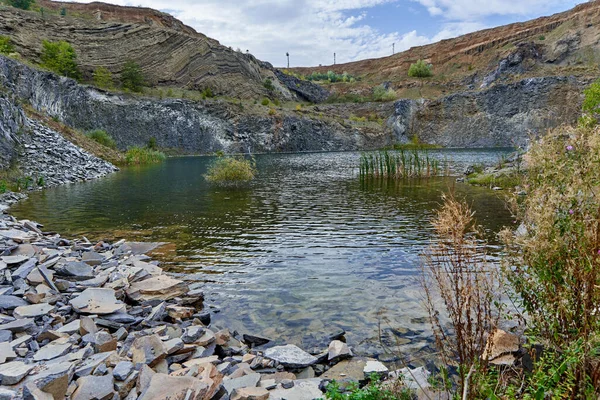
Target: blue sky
(312,30)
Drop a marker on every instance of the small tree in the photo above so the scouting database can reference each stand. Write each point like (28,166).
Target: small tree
(22,4)
(61,58)
(420,69)
(132,77)
(103,78)
(6,46)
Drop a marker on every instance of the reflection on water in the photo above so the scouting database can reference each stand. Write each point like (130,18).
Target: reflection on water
(306,249)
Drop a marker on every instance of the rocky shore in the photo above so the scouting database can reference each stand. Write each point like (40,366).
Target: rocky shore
(85,320)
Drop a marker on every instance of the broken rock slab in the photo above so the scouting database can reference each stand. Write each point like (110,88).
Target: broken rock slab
(163,387)
(290,356)
(302,389)
(97,301)
(13,372)
(94,388)
(160,287)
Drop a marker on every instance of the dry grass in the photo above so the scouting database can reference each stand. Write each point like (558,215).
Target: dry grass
(456,270)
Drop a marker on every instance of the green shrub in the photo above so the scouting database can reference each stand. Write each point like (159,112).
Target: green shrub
(420,69)
(331,77)
(380,93)
(277,102)
(152,143)
(207,93)
(591,102)
(102,78)
(265,102)
(41,182)
(6,46)
(132,77)
(231,171)
(372,391)
(61,58)
(542,37)
(268,84)
(63,12)
(102,137)
(3,186)
(22,4)
(142,155)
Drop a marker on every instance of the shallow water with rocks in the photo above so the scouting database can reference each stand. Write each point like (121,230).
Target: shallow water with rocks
(305,251)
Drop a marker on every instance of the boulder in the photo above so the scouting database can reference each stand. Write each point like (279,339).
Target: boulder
(499,344)
(338,350)
(290,356)
(122,370)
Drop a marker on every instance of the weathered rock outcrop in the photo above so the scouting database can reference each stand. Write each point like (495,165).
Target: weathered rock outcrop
(193,127)
(169,53)
(504,115)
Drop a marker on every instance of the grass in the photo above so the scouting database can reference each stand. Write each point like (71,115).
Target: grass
(143,155)
(100,136)
(503,180)
(398,164)
(231,171)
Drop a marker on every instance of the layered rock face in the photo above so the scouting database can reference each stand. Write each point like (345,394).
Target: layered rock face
(168,52)
(504,115)
(193,127)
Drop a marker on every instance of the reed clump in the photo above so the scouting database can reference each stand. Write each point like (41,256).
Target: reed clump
(399,164)
(144,155)
(231,171)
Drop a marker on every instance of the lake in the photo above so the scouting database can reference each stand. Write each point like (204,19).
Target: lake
(305,250)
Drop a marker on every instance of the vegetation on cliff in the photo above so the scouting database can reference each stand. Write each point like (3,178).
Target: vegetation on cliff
(6,46)
(60,57)
(420,69)
(550,272)
(143,156)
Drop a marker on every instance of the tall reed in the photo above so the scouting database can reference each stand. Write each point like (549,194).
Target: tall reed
(399,164)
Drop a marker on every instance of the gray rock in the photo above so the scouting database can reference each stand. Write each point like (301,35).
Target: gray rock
(290,356)
(250,380)
(92,258)
(7,394)
(192,333)
(25,269)
(32,311)
(6,352)
(375,367)
(8,302)
(76,270)
(18,325)
(148,350)
(302,390)
(338,350)
(97,301)
(94,388)
(13,372)
(51,351)
(5,336)
(122,370)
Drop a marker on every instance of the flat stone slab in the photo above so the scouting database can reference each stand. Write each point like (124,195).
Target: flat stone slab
(18,325)
(347,371)
(32,311)
(94,388)
(13,372)
(138,248)
(10,260)
(51,351)
(161,287)
(303,389)
(6,352)
(97,301)
(162,386)
(290,356)
(75,270)
(250,380)
(8,302)
(17,235)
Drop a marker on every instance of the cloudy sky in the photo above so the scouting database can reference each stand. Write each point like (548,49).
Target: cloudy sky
(312,30)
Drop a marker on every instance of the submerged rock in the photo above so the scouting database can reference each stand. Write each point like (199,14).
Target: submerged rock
(290,356)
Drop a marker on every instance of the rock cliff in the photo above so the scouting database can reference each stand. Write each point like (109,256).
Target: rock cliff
(503,115)
(191,127)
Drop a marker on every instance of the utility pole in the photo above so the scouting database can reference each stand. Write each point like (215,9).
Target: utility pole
(333,58)
(393,48)
(288,57)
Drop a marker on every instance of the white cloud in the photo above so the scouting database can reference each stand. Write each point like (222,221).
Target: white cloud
(470,10)
(312,30)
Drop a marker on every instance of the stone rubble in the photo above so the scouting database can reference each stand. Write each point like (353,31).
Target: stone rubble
(83,321)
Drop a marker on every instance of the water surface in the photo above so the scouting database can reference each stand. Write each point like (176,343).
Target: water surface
(306,249)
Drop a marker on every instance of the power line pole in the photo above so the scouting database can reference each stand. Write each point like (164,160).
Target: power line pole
(288,58)
(333,58)
(393,48)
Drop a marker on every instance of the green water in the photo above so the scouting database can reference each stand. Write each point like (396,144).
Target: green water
(306,249)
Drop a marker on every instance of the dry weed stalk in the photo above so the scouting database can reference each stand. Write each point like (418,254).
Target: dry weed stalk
(456,271)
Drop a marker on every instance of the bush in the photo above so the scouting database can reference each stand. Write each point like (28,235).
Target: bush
(331,77)
(6,46)
(141,155)
(22,4)
(265,102)
(276,102)
(152,144)
(420,69)
(372,391)
(591,102)
(132,77)
(61,58)
(103,138)
(231,171)
(268,84)
(298,107)
(207,93)
(380,93)
(102,78)
(272,111)
(554,263)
